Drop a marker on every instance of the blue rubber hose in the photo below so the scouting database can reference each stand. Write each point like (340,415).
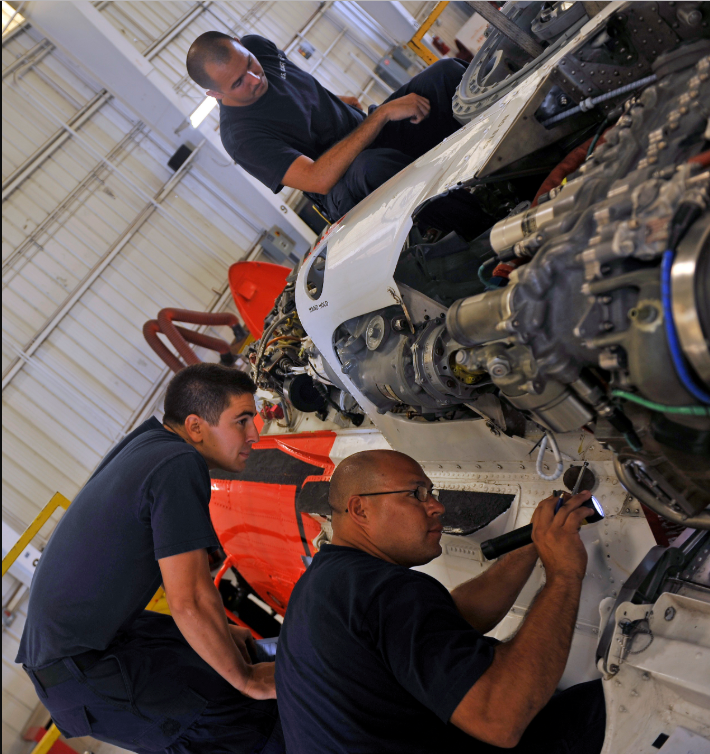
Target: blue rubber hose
(681,367)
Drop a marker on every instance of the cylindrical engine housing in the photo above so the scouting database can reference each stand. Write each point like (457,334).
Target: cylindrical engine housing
(476,319)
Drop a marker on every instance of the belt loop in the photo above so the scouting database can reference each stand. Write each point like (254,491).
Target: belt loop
(39,688)
(74,669)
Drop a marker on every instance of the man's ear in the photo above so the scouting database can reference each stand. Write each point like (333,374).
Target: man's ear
(212,93)
(358,510)
(193,428)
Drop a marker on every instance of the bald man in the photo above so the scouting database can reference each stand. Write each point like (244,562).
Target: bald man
(284,128)
(374,657)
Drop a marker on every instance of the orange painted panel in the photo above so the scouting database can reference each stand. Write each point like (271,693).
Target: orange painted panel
(256,525)
(311,447)
(255,287)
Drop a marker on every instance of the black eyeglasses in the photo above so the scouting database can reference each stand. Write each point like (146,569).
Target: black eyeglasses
(422,493)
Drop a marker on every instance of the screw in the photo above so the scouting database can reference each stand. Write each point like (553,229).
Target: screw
(498,367)
(670,613)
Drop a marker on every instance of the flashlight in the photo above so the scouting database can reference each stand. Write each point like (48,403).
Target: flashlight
(512,540)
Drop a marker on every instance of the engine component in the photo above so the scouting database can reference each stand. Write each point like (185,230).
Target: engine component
(540,347)
(690,274)
(500,64)
(287,364)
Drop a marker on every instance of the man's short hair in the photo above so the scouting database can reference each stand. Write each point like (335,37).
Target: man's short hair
(205,390)
(209,48)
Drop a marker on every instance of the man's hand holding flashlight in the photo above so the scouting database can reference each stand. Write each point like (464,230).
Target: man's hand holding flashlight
(556,536)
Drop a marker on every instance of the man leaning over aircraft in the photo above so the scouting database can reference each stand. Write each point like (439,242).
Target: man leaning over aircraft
(284,128)
(374,656)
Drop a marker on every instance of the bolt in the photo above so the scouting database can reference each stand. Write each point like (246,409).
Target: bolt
(613,668)
(498,367)
(670,613)
(690,17)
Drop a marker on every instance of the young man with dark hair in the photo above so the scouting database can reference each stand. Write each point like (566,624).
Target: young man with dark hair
(391,661)
(101,664)
(285,129)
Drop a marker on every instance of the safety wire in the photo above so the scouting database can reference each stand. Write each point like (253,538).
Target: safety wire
(554,447)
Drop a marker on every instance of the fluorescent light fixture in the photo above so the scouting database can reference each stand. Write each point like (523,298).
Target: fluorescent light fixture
(203,111)
(10,18)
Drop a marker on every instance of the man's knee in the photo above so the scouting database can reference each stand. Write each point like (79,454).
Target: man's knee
(369,170)
(446,73)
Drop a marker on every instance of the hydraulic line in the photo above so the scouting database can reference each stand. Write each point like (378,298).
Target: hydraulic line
(549,437)
(591,102)
(661,408)
(485,268)
(672,335)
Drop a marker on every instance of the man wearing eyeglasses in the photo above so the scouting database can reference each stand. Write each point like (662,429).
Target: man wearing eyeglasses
(375,657)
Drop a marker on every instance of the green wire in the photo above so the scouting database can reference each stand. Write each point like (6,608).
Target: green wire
(687,410)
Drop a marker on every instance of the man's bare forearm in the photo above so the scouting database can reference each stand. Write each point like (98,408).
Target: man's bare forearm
(525,671)
(485,600)
(532,661)
(320,176)
(331,166)
(204,625)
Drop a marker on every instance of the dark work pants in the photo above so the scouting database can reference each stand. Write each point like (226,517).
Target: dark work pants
(400,142)
(152,692)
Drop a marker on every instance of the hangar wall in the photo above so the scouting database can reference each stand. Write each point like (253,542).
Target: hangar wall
(99,234)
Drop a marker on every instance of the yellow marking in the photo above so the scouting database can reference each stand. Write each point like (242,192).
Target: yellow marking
(415,43)
(58,501)
(159,603)
(47,741)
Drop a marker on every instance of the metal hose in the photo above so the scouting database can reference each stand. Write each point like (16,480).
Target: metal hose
(591,102)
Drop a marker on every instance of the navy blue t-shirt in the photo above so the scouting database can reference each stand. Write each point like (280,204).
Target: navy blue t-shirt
(374,657)
(295,116)
(148,499)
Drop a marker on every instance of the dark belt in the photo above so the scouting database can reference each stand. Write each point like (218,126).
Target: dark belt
(58,672)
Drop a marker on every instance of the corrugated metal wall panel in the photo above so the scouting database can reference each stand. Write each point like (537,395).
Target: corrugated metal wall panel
(80,390)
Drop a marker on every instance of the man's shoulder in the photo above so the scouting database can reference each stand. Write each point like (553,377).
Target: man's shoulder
(349,568)
(258,45)
(147,449)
